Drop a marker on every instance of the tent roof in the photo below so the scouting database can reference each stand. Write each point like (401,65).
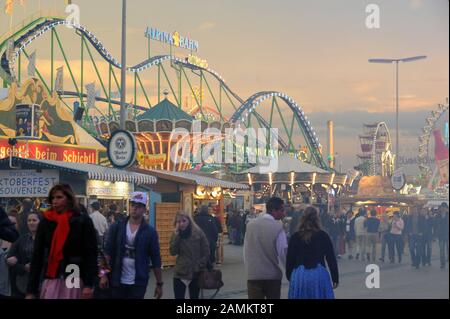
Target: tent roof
(165,110)
(285,164)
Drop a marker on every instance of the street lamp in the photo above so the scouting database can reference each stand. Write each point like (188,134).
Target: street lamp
(396,61)
(123,72)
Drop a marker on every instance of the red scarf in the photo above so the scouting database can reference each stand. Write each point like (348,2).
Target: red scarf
(59,238)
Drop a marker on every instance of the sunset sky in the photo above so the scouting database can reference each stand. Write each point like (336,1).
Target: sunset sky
(315,51)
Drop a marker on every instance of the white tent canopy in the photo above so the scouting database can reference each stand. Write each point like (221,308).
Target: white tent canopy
(285,164)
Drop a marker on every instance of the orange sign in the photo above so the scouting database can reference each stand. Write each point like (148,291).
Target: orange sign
(45,151)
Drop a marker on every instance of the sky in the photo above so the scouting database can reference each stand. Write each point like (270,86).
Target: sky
(315,51)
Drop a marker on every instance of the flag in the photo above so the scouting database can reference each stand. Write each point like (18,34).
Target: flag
(9,7)
(10,50)
(91,94)
(32,64)
(59,82)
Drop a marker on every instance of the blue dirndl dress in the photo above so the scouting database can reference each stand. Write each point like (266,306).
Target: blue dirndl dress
(312,283)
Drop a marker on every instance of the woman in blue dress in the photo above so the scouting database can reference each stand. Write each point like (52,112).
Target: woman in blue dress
(306,270)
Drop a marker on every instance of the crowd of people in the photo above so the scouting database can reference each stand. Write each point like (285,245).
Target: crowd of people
(114,252)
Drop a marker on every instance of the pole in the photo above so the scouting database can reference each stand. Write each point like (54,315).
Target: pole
(124,62)
(397,150)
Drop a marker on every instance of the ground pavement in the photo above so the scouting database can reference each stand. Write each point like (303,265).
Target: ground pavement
(397,281)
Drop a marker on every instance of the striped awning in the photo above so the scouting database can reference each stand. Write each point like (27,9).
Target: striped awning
(93,172)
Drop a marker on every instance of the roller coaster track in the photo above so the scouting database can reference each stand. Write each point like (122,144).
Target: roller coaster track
(35,29)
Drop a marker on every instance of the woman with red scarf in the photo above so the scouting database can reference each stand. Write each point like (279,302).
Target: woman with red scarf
(65,250)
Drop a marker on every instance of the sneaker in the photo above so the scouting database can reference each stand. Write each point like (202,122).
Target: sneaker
(381,259)
(357,257)
(350,257)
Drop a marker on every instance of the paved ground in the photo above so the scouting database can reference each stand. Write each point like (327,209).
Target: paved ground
(397,281)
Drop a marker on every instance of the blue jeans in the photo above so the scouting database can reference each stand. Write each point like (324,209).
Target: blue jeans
(427,251)
(443,248)
(128,292)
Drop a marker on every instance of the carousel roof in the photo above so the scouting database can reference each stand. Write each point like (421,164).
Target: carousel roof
(285,164)
(165,110)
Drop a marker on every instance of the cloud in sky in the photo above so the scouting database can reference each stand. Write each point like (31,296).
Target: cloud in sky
(207,25)
(416,4)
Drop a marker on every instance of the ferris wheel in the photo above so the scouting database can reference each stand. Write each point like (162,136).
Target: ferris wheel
(433,122)
(377,157)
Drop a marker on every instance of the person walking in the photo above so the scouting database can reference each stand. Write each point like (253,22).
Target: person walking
(384,231)
(414,228)
(350,235)
(19,257)
(131,244)
(26,208)
(361,234)
(305,262)
(372,225)
(334,229)
(64,238)
(442,226)
(100,222)
(8,230)
(396,239)
(265,246)
(427,237)
(208,224)
(190,245)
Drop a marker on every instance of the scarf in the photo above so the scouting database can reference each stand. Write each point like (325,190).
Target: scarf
(58,240)
(184,234)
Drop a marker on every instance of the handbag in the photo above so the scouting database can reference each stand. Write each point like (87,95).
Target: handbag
(210,279)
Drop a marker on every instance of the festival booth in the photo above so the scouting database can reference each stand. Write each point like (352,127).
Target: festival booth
(293,180)
(185,191)
(31,178)
(376,193)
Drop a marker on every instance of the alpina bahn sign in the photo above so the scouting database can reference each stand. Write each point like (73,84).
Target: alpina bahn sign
(174,39)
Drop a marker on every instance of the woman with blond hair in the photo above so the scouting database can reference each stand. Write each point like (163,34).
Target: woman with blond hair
(191,247)
(305,262)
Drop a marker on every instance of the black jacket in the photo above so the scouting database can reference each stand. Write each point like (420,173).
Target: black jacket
(409,224)
(441,227)
(311,254)
(208,224)
(79,249)
(8,231)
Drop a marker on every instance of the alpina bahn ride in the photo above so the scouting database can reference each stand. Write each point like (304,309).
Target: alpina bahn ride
(92,81)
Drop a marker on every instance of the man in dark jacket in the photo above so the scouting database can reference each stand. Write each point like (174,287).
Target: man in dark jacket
(441,227)
(350,235)
(8,231)
(131,248)
(208,224)
(427,237)
(414,229)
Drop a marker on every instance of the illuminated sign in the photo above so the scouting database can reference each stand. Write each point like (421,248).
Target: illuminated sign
(44,151)
(107,189)
(122,149)
(174,39)
(195,60)
(27,183)
(150,160)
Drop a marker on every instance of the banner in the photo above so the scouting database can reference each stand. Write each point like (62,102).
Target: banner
(27,183)
(59,82)
(45,151)
(32,64)
(27,120)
